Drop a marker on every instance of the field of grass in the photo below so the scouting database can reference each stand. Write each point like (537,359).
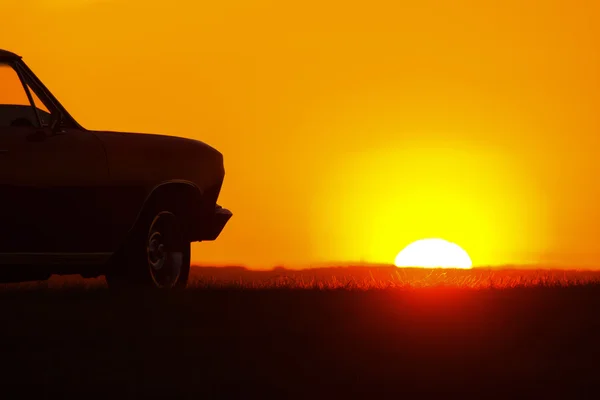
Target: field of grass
(365,278)
(324,333)
(358,278)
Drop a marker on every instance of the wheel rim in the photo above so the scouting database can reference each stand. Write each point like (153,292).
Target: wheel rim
(165,258)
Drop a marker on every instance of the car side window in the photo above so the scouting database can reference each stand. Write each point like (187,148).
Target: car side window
(15,107)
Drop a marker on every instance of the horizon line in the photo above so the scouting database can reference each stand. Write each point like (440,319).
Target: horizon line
(515,266)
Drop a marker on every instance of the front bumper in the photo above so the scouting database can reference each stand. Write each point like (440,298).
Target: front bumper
(216,223)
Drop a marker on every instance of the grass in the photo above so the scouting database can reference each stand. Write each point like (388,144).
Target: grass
(361,278)
(324,333)
(355,278)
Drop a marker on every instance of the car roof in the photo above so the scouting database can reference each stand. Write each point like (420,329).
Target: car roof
(4,54)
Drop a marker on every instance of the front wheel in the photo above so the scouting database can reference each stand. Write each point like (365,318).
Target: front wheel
(156,257)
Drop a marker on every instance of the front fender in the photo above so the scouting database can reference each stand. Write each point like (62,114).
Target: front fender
(178,196)
(201,218)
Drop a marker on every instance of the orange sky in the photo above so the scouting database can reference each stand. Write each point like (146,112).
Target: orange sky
(352,129)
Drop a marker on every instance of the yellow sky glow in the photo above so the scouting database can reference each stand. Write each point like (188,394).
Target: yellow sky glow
(352,129)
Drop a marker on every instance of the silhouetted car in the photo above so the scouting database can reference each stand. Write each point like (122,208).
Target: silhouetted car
(75,201)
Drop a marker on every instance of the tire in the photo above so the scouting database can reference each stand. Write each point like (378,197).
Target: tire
(156,256)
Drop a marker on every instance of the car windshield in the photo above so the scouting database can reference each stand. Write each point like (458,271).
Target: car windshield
(15,107)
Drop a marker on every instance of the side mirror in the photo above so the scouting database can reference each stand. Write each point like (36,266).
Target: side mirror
(57,123)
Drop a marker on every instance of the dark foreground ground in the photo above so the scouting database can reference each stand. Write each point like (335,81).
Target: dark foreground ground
(533,341)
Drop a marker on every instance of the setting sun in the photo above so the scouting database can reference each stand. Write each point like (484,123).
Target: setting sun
(433,253)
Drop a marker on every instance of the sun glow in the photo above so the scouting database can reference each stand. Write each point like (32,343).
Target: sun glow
(433,253)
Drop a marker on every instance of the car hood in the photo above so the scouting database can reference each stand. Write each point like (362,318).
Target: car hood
(156,139)
(154,157)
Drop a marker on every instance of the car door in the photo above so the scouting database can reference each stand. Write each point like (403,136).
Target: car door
(50,178)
